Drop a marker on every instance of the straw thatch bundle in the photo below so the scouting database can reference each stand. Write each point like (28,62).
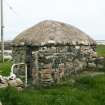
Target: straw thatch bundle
(57,32)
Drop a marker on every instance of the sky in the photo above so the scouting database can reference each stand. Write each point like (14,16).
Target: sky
(87,15)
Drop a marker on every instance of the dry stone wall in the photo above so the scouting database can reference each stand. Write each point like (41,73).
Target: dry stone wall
(51,64)
(19,54)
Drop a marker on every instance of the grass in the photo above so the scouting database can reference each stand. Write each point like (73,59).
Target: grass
(85,91)
(101,50)
(5,68)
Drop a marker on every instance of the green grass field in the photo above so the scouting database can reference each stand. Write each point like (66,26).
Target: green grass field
(5,68)
(101,50)
(85,91)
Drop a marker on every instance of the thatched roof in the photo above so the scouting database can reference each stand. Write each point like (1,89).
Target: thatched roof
(53,32)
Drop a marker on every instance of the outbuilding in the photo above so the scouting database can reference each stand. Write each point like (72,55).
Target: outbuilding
(52,50)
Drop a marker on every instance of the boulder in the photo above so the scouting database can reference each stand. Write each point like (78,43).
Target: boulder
(3,85)
(12,83)
(3,82)
(16,83)
(19,82)
(92,65)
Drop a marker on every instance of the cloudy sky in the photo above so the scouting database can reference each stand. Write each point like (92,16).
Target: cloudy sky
(88,15)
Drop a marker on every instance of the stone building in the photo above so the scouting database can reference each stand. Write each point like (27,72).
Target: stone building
(53,50)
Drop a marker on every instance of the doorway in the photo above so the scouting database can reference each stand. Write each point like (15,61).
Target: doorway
(29,61)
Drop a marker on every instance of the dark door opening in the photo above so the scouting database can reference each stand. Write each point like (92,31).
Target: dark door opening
(29,61)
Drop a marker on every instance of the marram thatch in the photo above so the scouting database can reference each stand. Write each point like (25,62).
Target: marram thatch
(57,32)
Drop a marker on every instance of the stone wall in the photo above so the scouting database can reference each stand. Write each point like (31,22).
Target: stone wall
(51,64)
(57,63)
(19,54)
